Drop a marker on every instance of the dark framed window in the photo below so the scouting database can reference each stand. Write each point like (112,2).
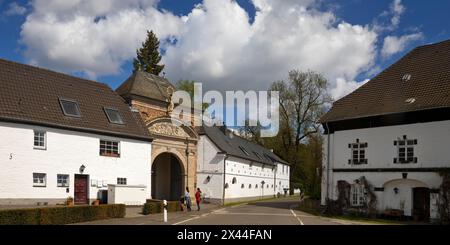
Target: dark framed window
(122,181)
(405,150)
(40,140)
(113,115)
(70,107)
(39,179)
(358,153)
(62,180)
(109,148)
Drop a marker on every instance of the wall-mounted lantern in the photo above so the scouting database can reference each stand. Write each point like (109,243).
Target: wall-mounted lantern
(396,190)
(82,168)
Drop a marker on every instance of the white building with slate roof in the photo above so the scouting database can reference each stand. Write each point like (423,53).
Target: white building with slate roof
(232,169)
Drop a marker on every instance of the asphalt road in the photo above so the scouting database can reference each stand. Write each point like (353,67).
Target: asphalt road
(274,212)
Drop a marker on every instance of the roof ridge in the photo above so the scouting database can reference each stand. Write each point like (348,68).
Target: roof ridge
(38,68)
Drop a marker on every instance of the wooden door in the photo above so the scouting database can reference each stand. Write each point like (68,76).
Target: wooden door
(421,203)
(81,189)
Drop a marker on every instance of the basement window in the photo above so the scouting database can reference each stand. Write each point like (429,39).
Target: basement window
(113,115)
(70,107)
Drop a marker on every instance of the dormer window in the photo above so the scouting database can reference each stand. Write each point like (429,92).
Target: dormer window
(358,153)
(70,107)
(113,115)
(405,150)
(406,77)
(244,150)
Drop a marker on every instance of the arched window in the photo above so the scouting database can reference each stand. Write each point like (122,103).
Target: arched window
(242,186)
(226,185)
(234,181)
(250,186)
(256,186)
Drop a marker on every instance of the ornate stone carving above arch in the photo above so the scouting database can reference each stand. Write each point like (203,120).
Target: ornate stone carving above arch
(165,126)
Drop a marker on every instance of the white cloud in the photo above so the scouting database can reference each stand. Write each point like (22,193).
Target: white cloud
(389,20)
(15,9)
(94,37)
(394,44)
(344,87)
(232,53)
(216,43)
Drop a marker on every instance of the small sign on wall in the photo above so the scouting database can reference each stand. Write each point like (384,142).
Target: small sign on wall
(93,183)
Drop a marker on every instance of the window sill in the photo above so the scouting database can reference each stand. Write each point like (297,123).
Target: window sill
(40,148)
(110,155)
(39,185)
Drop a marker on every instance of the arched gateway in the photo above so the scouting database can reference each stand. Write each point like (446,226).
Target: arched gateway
(167,177)
(174,146)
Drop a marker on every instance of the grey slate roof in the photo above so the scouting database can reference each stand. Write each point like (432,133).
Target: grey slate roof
(31,95)
(388,93)
(145,85)
(229,143)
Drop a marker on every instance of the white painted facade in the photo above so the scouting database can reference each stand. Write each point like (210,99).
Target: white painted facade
(431,151)
(65,152)
(227,178)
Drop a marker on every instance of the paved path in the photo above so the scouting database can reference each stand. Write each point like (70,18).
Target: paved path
(273,212)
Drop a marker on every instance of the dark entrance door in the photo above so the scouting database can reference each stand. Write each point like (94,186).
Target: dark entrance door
(81,189)
(421,203)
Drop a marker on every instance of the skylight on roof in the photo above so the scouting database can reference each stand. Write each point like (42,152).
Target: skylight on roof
(70,107)
(256,154)
(410,100)
(113,115)
(406,77)
(244,150)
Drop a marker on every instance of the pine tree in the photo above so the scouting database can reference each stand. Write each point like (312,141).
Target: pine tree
(148,57)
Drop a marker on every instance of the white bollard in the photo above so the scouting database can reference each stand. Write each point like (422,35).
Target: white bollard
(165,211)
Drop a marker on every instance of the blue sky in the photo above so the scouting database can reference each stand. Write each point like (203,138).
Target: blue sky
(212,54)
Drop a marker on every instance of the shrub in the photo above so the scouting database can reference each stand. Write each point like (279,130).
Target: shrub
(156,206)
(20,217)
(61,215)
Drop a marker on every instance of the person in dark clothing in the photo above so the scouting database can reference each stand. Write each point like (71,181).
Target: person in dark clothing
(182,203)
(187,198)
(198,198)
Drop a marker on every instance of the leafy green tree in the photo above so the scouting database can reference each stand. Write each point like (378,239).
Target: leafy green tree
(148,57)
(188,86)
(302,101)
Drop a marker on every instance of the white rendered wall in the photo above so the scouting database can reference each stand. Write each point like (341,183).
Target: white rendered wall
(210,164)
(66,152)
(431,152)
(128,195)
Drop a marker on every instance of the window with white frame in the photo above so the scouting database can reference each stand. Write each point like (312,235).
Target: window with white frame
(40,140)
(122,181)
(358,153)
(109,148)
(62,180)
(405,150)
(39,179)
(357,196)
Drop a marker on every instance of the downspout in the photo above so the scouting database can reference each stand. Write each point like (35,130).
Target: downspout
(328,162)
(187,164)
(224,172)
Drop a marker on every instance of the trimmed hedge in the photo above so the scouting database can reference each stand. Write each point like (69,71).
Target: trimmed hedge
(156,206)
(60,215)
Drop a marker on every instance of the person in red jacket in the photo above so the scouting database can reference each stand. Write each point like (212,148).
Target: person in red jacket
(198,198)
